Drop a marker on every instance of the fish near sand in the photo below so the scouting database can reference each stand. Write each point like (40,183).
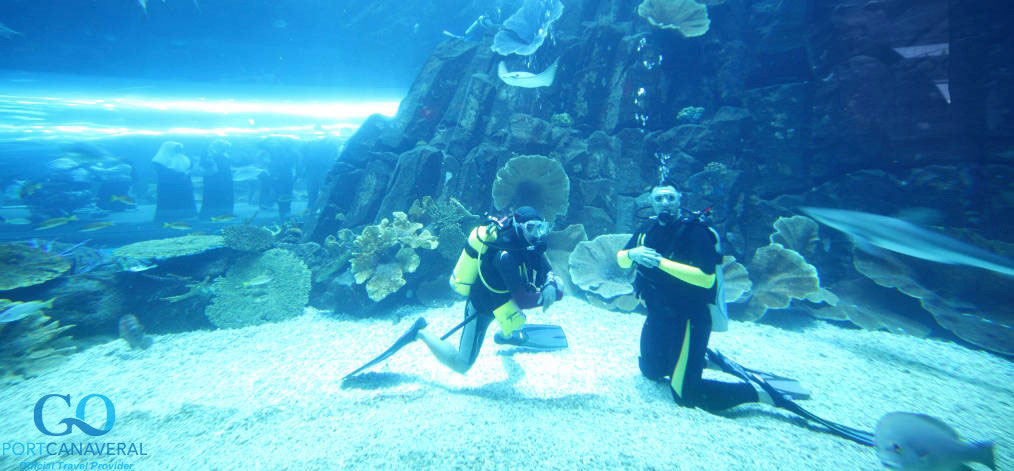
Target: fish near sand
(528,79)
(903,237)
(917,442)
(15,311)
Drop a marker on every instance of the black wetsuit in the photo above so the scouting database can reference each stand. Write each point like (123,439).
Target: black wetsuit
(674,306)
(514,272)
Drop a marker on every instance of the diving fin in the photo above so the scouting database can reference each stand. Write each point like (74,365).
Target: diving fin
(405,339)
(541,337)
(785,385)
(783,401)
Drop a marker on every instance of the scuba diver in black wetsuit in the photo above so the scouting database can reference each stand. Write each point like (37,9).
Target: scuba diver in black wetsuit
(502,270)
(677,259)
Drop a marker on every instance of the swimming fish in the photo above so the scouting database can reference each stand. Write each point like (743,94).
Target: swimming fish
(528,79)
(134,265)
(179,226)
(125,199)
(15,310)
(903,237)
(257,281)
(911,442)
(223,218)
(18,221)
(55,222)
(95,226)
(29,189)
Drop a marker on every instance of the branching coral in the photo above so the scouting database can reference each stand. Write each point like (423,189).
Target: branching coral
(267,287)
(170,248)
(384,252)
(593,267)
(686,16)
(533,180)
(21,266)
(779,275)
(30,345)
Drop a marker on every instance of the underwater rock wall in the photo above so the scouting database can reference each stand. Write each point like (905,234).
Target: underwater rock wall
(871,106)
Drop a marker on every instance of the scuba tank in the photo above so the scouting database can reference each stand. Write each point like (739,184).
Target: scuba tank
(466,270)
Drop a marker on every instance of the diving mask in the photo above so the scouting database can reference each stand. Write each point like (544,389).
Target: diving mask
(534,230)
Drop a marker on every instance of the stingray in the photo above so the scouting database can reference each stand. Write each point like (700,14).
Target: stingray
(528,79)
(525,31)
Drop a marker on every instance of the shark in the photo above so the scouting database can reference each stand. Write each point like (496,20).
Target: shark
(528,79)
(873,230)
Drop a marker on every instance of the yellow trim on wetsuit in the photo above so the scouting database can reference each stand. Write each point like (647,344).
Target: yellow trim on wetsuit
(679,373)
(687,273)
(510,317)
(623,259)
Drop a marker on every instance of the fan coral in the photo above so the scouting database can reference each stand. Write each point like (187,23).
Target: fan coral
(593,267)
(686,16)
(779,275)
(533,180)
(797,233)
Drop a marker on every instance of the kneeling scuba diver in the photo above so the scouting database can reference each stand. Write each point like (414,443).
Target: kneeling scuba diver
(502,270)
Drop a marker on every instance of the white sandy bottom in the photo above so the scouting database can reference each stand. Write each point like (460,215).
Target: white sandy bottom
(270,397)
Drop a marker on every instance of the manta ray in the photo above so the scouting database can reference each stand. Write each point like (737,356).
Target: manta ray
(528,79)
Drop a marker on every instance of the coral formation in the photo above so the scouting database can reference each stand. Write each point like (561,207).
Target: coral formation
(384,252)
(533,180)
(735,279)
(448,219)
(566,239)
(686,16)
(239,302)
(21,266)
(30,345)
(593,267)
(247,238)
(961,318)
(798,233)
(170,248)
(779,275)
